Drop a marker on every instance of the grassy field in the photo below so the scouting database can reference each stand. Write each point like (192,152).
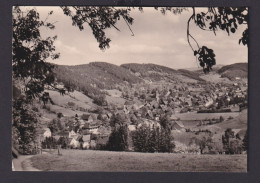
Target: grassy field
(201,116)
(105,161)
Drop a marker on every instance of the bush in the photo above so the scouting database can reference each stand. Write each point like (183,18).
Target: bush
(100,100)
(59,115)
(49,143)
(71,104)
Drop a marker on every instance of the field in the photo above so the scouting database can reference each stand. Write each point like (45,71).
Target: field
(105,161)
(201,116)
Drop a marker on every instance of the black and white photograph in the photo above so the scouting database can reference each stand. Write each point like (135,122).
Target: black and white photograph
(129,89)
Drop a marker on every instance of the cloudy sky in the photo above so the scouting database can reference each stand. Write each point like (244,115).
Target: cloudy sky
(159,39)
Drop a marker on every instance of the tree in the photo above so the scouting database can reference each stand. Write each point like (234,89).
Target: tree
(24,126)
(245,141)
(118,119)
(226,139)
(55,125)
(165,121)
(231,143)
(30,52)
(100,100)
(63,141)
(146,139)
(118,139)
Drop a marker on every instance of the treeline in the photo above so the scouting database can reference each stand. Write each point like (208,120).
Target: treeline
(143,139)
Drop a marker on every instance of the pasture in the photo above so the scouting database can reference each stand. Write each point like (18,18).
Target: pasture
(192,116)
(107,161)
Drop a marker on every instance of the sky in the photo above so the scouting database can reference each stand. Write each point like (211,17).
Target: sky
(159,39)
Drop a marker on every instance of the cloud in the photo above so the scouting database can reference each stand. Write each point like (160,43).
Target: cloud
(66,48)
(159,39)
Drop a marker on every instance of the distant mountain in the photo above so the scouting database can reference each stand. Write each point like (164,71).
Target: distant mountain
(234,70)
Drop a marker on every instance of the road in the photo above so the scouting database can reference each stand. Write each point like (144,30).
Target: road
(23,163)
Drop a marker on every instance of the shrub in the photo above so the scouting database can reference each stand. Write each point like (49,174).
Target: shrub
(71,104)
(49,142)
(221,118)
(100,100)
(59,115)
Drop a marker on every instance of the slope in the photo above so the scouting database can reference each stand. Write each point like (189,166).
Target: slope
(234,70)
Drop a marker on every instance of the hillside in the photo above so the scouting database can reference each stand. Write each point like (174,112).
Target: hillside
(94,76)
(157,72)
(190,74)
(234,70)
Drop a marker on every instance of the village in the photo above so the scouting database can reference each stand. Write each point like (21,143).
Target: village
(144,105)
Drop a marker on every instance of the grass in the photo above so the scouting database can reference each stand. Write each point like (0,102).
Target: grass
(201,116)
(105,161)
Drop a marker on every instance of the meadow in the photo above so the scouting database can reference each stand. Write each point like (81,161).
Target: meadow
(108,161)
(192,116)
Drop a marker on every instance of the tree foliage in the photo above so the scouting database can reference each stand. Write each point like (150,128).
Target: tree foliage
(24,126)
(245,141)
(222,18)
(98,19)
(30,51)
(146,139)
(231,142)
(118,139)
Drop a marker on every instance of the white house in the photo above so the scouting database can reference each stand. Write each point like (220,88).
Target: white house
(74,143)
(72,134)
(47,132)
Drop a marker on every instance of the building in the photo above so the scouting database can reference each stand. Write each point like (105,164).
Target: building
(46,133)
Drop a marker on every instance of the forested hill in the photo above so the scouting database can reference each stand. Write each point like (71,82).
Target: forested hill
(234,70)
(146,69)
(158,72)
(94,76)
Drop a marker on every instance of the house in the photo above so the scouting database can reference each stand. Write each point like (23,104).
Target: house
(88,117)
(46,133)
(131,128)
(86,141)
(177,125)
(174,118)
(86,138)
(63,133)
(56,137)
(72,134)
(74,143)
(93,143)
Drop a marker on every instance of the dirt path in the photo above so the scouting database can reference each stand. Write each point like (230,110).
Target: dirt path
(23,163)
